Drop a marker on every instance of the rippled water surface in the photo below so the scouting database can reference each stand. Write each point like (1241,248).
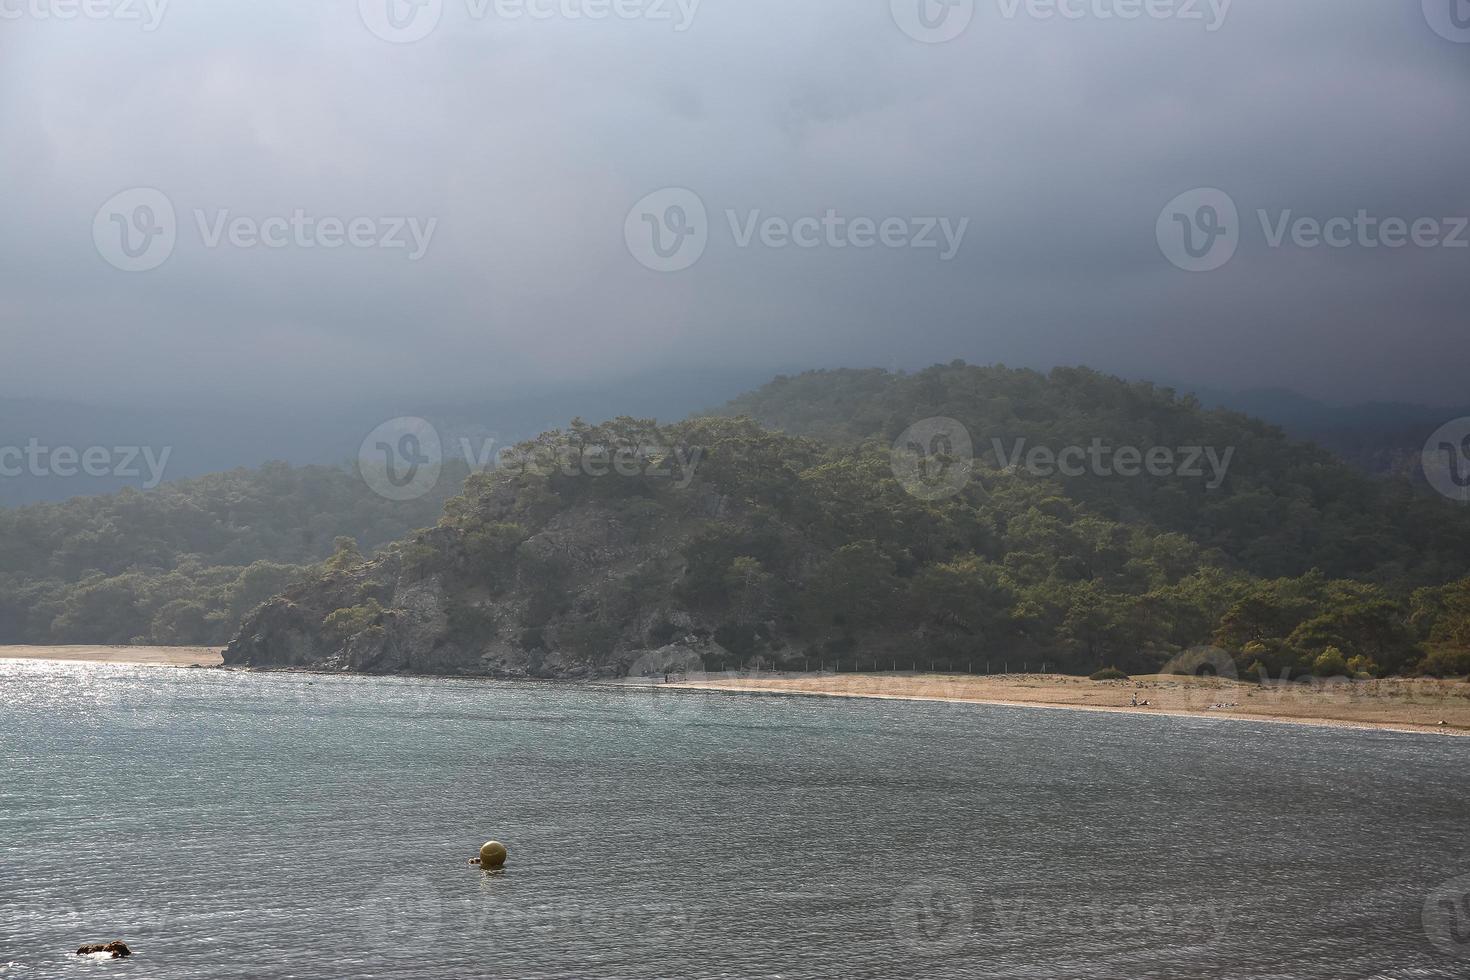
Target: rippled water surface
(231,825)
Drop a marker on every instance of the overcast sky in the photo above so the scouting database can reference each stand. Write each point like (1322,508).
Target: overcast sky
(516,148)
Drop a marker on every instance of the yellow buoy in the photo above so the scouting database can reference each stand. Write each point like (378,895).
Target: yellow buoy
(492,855)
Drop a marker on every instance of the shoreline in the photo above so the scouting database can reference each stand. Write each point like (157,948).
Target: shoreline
(1412,706)
(1415,706)
(132,656)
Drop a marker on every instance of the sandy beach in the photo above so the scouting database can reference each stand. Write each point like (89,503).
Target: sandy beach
(1418,705)
(141,656)
(1411,705)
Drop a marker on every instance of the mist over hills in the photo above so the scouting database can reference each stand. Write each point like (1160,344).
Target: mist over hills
(198,439)
(195,440)
(1379,437)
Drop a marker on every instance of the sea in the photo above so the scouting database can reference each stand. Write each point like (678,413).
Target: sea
(228,824)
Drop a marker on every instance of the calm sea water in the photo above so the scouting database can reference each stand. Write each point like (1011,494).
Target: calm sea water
(230,825)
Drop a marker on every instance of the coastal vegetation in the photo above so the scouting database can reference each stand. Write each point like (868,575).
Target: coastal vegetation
(802,546)
(183,564)
(777,531)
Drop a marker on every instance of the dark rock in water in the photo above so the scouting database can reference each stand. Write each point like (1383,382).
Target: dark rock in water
(117,948)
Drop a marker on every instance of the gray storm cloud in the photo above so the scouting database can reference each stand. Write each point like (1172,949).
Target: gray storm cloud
(296,143)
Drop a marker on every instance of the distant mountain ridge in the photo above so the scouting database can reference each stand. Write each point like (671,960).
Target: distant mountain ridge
(1379,437)
(203,439)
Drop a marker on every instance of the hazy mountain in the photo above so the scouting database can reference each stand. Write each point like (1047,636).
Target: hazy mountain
(177,442)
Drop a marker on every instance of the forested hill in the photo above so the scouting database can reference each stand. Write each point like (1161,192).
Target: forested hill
(1284,508)
(716,543)
(182,563)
